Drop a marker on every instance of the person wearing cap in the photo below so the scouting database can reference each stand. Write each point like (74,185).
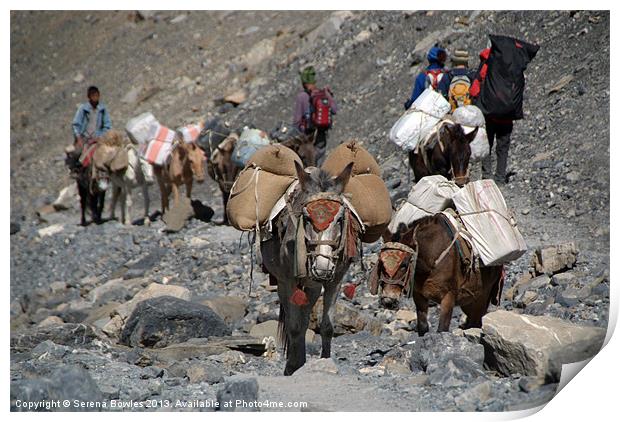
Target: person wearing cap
(302,111)
(431,76)
(456,83)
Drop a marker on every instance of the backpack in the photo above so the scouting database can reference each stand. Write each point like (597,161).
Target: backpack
(433,77)
(458,93)
(320,109)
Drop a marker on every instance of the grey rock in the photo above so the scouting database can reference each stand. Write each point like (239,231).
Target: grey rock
(67,383)
(165,320)
(238,388)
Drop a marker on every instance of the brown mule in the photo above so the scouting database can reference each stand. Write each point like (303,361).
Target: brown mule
(222,169)
(425,263)
(186,163)
(446,153)
(303,145)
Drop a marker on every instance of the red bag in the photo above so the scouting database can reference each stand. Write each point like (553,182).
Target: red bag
(320,110)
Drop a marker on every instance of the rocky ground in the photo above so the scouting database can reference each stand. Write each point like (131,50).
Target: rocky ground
(111,312)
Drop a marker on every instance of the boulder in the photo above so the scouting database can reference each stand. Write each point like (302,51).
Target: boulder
(15,227)
(231,309)
(553,259)
(67,198)
(448,360)
(536,345)
(50,321)
(236,97)
(113,290)
(325,365)
(205,372)
(64,386)
(153,290)
(236,395)
(50,230)
(68,334)
(165,320)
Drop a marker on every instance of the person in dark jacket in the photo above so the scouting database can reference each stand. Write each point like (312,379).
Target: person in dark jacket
(431,76)
(497,129)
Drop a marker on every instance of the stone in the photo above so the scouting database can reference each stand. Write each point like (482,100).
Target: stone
(473,334)
(260,52)
(406,315)
(178,19)
(362,36)
(178,214)
(325,365)
(560,84)
(111,291)
(113,327)
(165,320)
(50,230)
(231,309)
(346,318)
(448,360)
(101,315)
(563,279)
(152,291)
(237,391)
(525,298)
(68,334)
(205,372)
(131,97)
(67,385)
(67,198)
(238,97)
(49,349)
(270,329)
(473,397)
(328,28)
(78,78)
(553,259)
(536,345)
(15,227)
(572,296)
(50,321)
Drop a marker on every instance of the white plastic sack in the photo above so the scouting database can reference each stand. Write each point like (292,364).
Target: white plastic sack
(491,225)
(250,141)
(432,194)
(480,145)
(470,117)
(142,128)
(413,126)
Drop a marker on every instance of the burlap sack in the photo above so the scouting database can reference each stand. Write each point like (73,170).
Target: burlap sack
(242,209)
(276,159)
(341,156)
(103,156)
(371,199)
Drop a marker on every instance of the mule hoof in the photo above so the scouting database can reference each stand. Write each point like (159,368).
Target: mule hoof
(147,221)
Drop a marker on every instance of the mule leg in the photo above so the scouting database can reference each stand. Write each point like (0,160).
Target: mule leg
(83,203)
(474,313)
(421,309)
(447,305)
(175,194)
(225,201)
(128,204)
(147,203)
(327,329)
(188,189)
(115,193)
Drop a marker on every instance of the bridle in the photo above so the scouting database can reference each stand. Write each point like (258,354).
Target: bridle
(391,256)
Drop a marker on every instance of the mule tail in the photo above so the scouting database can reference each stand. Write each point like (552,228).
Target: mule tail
(282,337)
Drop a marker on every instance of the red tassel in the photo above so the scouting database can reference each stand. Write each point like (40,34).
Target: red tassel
(349,290)
(299,297)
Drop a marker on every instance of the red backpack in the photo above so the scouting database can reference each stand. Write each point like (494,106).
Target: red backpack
(433,77)
(320,109)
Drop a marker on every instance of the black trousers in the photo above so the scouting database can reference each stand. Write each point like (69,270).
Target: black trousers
(320,145)
(500,132)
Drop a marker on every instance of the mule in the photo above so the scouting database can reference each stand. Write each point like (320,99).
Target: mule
(139,173)
(445,152)
(92,185)
(222,169)
(314,240)
(185,165)
(303,145)
(423,262)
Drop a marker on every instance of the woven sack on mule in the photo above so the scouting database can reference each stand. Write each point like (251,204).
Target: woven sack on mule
(351,151)
(371,200)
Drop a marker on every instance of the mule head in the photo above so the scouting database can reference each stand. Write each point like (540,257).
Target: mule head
(322,223)
(458,150)
(392,275)
(196,159)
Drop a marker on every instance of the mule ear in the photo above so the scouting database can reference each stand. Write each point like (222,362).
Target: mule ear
(471,135)
(343,178)
(302,176)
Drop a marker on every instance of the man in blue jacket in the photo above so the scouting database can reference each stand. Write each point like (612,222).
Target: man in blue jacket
(431,76)
(91,119)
